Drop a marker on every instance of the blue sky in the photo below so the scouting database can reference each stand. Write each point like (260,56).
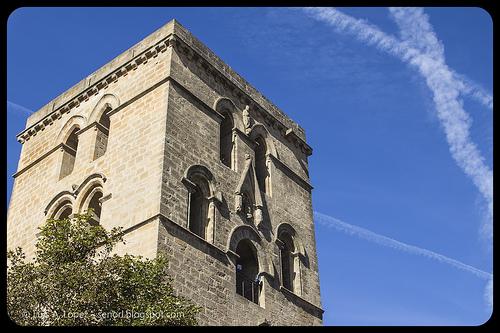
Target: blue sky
(382,158)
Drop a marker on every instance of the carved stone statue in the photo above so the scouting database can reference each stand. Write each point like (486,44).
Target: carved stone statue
(247,121)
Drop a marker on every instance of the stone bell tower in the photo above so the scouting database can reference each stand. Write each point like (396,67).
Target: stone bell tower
(168,142)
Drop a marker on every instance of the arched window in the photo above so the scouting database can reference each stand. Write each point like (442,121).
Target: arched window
(261,171)
(247,269)
(91,201)
(199,215)
(95,205)
(65,213)
(202,201)
(101,142)
(69,153)
(226,140)
(287,261)
(63,210)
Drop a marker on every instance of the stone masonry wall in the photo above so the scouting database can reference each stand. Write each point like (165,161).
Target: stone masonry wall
(132,163)
(203,272)
(163,93)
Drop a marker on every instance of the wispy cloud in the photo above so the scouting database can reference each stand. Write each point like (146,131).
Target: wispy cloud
(14,107)
(422,50)
(372,35)
(371,236)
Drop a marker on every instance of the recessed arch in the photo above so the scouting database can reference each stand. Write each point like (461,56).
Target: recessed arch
(259,130)
(99,117)
(247,271)
(69,150)
(226,144)
(202,201)
(261,166)
(291,250)
(287,227)
(224,104)
(245,231)
(89,185)
(106,103)
(91,200)
(73,123)
(64,199)
(199,170)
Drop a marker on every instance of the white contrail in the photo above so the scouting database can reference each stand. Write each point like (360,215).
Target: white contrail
(440,79)
(371,236)
(418,32)
(16,107)
(372,35)
(488,293)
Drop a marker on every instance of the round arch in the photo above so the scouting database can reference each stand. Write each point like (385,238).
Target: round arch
(246,232)
(224,104)
(92,184)
(259,130)
(287,228)
(58,204)
(202,171)
(108,101)
(77,121)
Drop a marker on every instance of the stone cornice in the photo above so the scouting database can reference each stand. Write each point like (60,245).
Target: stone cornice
(301,300)
(94,89)
(240,89)
(184,42)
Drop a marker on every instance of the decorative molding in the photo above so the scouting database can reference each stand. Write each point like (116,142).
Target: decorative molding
(216,198)
(301,300)
(285,168)
(191,187)
(43,156)
(61,196)
(210,66)
(103,83)
(298,142)
(96,125)
(163,218)
(250,143)
(97,175)
(105,198)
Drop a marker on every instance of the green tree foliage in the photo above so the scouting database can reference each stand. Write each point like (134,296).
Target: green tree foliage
(74,280)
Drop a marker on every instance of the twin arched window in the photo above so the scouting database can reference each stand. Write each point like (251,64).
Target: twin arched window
(102,126)
(63,205)
(226,145)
